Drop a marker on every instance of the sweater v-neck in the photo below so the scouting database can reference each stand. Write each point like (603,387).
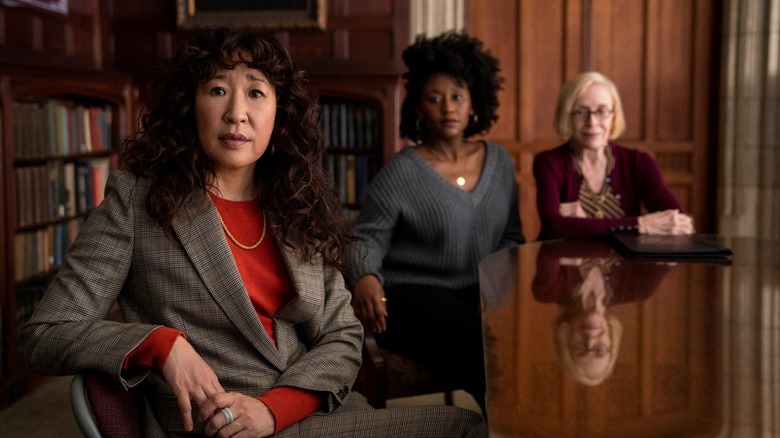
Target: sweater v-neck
(479,190)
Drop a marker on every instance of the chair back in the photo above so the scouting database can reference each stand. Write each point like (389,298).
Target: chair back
(386,375)
(103,408)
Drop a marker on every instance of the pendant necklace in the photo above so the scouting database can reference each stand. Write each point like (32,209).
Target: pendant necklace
(460,180)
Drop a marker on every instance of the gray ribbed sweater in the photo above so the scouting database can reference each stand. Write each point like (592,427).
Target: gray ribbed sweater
(418,228)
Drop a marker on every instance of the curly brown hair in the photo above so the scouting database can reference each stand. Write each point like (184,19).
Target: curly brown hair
(291,180)
(462,57)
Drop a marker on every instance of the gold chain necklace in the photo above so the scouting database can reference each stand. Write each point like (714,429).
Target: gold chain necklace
(239,244)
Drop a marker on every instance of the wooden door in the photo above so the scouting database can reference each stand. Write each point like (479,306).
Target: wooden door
(658,52)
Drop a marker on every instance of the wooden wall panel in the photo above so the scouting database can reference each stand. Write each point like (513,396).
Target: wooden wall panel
(619,52)
(542,48)
(658,52)
(357,8)
(674,63)
(505,48)
(35,39)
(363,38)
(371,43)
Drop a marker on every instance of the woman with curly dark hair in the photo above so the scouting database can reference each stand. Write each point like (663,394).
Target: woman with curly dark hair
(435,211)
(221,240)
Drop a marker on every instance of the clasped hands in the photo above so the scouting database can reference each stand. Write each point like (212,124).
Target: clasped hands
(667,222)
(193,381)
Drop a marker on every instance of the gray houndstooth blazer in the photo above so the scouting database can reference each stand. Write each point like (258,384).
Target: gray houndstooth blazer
(192,285)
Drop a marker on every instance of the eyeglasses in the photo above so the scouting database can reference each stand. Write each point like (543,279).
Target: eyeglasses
(583,114)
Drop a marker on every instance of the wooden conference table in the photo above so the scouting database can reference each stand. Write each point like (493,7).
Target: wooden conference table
(696,344)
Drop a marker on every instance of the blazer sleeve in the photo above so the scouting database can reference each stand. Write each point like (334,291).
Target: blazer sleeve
(335,337)
(67,332)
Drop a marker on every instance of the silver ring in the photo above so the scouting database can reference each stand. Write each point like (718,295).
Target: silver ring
(228,415)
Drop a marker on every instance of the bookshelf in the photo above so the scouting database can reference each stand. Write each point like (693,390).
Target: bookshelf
(360,116)
(353,137)
(58,138)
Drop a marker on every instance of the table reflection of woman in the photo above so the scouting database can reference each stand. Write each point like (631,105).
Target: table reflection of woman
(586,278)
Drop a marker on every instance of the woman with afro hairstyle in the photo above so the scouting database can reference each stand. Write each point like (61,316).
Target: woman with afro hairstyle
(221,241)
(434,211)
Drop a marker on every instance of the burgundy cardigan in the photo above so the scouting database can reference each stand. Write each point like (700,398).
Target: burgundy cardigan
(635,179)
(555,282)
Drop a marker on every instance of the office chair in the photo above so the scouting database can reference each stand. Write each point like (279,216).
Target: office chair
(103,409)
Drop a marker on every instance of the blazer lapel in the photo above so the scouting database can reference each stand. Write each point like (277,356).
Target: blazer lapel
(202,238)
(307,279)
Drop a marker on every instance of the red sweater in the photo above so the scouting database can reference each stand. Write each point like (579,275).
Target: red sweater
(269,286)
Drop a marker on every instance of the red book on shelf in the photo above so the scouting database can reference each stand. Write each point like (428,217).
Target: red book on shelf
(351,198)
(96,127)
(100,168)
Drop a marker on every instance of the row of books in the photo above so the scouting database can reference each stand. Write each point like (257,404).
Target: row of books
(350,125)
(53,128)
(351,172)
(41,251)
(59,189)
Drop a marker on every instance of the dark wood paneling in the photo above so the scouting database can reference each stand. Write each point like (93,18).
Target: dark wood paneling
(361,38)
(503,46)
(542,48)
(674,61)
(37,39)
(620,54)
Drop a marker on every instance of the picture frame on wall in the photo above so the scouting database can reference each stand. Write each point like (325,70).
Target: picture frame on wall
(270,14)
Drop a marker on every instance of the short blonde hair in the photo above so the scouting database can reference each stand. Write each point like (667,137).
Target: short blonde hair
(572,90)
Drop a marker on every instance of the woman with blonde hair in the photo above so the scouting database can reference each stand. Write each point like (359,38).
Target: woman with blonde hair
(590,186)
(587,335)
(586,279)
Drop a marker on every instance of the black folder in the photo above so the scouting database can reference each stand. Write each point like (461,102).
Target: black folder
(669,247)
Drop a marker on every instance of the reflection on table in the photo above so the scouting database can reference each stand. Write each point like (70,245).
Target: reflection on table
(580,341)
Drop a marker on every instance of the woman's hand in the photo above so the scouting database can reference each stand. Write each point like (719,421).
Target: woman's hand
(251,417)
(368,300)
(571,209)
(190,379)
(667,222)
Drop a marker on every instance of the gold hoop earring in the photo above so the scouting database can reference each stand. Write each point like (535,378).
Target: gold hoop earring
(476,118)
(418,131)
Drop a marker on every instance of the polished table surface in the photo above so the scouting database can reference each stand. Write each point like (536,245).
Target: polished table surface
(580,341)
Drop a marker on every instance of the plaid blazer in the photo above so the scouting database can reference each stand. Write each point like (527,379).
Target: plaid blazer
(191,284)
